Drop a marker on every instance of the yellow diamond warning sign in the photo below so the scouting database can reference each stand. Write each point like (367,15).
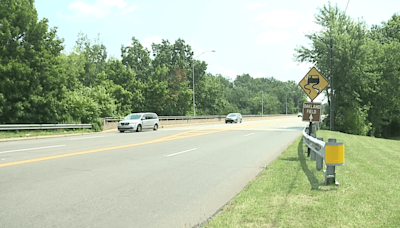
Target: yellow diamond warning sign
(313,83)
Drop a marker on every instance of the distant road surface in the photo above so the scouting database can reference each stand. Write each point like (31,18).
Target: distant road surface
(175,177)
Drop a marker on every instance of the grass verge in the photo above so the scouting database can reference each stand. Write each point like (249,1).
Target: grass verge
(34,133)
(290,192)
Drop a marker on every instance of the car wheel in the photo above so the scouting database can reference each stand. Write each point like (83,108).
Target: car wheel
(121,131)
(139,128)
(240,121)
(155,128)
(226,122)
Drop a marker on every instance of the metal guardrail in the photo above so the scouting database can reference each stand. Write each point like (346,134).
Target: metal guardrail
(316,145)
(169,118)
(332,152)
(16,127)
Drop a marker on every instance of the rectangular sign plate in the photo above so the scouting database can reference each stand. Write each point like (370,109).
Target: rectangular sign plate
(312,111)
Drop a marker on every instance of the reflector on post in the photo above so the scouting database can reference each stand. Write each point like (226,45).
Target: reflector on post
(334,153)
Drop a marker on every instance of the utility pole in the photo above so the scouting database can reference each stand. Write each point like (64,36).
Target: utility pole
(262,102)
(194,102)
(262,99)
(286,103)
(332,108)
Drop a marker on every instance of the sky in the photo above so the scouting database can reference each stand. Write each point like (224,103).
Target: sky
(249,37)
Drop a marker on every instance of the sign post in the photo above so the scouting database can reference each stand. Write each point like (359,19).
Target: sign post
(312,84)
(311,113)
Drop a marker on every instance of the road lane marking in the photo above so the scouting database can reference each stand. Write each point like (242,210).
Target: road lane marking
(37,148)
(248,134)
(182,135)
(88,137)
(181,152)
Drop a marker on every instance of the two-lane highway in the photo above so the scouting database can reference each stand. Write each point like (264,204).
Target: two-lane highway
(176,177)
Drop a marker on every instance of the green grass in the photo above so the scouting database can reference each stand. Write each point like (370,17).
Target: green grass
(290,192)
(34,133)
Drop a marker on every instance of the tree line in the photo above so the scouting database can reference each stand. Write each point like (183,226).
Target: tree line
(366,71)
(39,83)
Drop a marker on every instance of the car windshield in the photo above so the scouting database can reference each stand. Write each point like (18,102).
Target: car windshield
(133,117)
(232,115)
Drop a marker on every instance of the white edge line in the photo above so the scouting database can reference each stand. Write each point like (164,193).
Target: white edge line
(249,134)
(88,137)
(37,148)
(181,152)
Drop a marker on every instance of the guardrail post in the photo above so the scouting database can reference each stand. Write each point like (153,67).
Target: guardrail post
(319,163)
(310,131)
(330,175)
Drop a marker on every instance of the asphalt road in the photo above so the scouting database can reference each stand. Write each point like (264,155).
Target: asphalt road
(175,177)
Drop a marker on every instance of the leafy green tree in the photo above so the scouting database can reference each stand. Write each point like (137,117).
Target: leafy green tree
(80,107)
(72,66)
(127,89)
(388,31)
(137,58)
(30,81)
(264,104)
(385,60)
(171,64)
(200,68)
(178,54)
(95,56)
(210,97)
(351,81)
(155,93)
(105,101)
(179,95)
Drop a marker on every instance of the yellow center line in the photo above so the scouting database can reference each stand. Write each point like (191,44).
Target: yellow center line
(186,134)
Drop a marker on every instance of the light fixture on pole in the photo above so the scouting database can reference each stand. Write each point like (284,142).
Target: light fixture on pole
(194,103)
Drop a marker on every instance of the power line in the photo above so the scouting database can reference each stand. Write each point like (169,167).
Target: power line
(346,6)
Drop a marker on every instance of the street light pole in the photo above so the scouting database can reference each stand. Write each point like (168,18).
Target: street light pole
(262,103)
(262,99)
(298,105)
(286,103)
(194,103)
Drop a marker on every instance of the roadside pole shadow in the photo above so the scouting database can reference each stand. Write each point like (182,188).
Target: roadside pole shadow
(310,175)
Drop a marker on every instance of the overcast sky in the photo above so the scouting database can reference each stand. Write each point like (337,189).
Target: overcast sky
(254,37)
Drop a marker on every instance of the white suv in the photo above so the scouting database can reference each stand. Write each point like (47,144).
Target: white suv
(139,121)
